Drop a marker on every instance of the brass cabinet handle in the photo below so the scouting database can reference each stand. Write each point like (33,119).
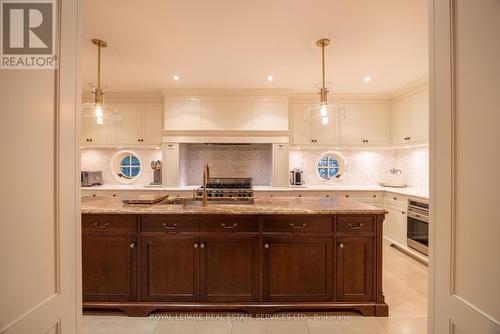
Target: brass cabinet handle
(195,245)
(101,225)
(303,225)
(374,196)
(355,227)
(403,212)
(266,245)
(132,245)
(341,244)
(169,228)
(223,225)
(202,245)
(346,195)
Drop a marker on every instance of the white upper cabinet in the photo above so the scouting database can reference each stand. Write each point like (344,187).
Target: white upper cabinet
(129,126)
(364,124)
(410,119)
(352,124)
(226,115)
(140,124)
(301,123)
(420,117)
(378,123)
(270,114)
(93,133)
(182,114)
(137,123)
(231,112)
(152,114)
(309,130)
(401,111)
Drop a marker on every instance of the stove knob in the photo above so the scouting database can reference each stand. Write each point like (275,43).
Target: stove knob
(230,195)
(209,195)
(239,195)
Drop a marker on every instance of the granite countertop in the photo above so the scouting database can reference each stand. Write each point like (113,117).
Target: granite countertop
(409,191)
(264,206)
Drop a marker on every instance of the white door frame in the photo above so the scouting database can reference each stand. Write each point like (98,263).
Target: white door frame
(452,24)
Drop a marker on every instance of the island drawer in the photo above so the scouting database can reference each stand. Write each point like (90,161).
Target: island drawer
(109,223)
(169,224)
(355,224)
(297,224)
(229,224)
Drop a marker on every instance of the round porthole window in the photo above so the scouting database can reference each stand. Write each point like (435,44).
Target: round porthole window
(126,166)
(330,166)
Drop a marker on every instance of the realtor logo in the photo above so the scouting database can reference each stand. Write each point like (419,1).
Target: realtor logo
(28,34)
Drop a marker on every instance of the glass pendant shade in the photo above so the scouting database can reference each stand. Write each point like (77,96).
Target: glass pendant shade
(97,110)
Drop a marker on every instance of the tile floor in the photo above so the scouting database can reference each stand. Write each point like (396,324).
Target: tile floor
(405,289)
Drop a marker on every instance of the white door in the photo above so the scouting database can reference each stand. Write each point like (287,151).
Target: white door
(352,124)
(420,117)
(129,127)
(40,281)
(401,121)
(151,123)
(465,86)
(377,123)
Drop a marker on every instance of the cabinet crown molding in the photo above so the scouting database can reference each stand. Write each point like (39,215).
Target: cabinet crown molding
(411,88)
(226,92)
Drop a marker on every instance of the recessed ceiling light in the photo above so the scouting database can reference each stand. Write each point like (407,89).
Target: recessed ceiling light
(368,78)
(269,78)
(176,77)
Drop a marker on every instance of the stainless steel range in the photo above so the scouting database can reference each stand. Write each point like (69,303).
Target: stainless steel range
(228,187)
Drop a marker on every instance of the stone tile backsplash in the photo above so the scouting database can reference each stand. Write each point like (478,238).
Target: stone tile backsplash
(364,167)
(229,161)
(95,159)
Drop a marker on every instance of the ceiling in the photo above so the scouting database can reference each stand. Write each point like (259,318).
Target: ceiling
(236,44)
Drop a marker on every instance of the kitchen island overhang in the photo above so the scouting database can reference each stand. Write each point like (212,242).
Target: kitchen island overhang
(278,254)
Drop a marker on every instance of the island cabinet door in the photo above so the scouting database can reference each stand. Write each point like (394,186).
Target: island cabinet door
(229,269)
(109,268)
(298,269)
(355,267)
(169,268)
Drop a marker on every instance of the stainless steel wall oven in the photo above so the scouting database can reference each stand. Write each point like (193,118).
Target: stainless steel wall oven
(418,226)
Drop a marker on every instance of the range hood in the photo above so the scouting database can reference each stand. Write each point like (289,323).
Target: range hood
(226,136)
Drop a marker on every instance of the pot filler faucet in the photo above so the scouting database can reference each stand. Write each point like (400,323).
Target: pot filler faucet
(206,175)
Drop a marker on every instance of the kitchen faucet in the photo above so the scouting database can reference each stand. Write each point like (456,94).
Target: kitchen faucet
(206,175)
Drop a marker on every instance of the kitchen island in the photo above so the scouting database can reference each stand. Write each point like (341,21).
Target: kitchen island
(277,254)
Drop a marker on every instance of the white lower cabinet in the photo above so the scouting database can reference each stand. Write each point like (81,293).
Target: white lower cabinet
(395,220)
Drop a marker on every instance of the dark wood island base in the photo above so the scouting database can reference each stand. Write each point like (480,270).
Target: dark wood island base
(143,309)
(256,263)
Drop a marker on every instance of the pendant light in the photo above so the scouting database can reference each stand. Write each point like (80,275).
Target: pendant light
(323,90)
(98,109)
